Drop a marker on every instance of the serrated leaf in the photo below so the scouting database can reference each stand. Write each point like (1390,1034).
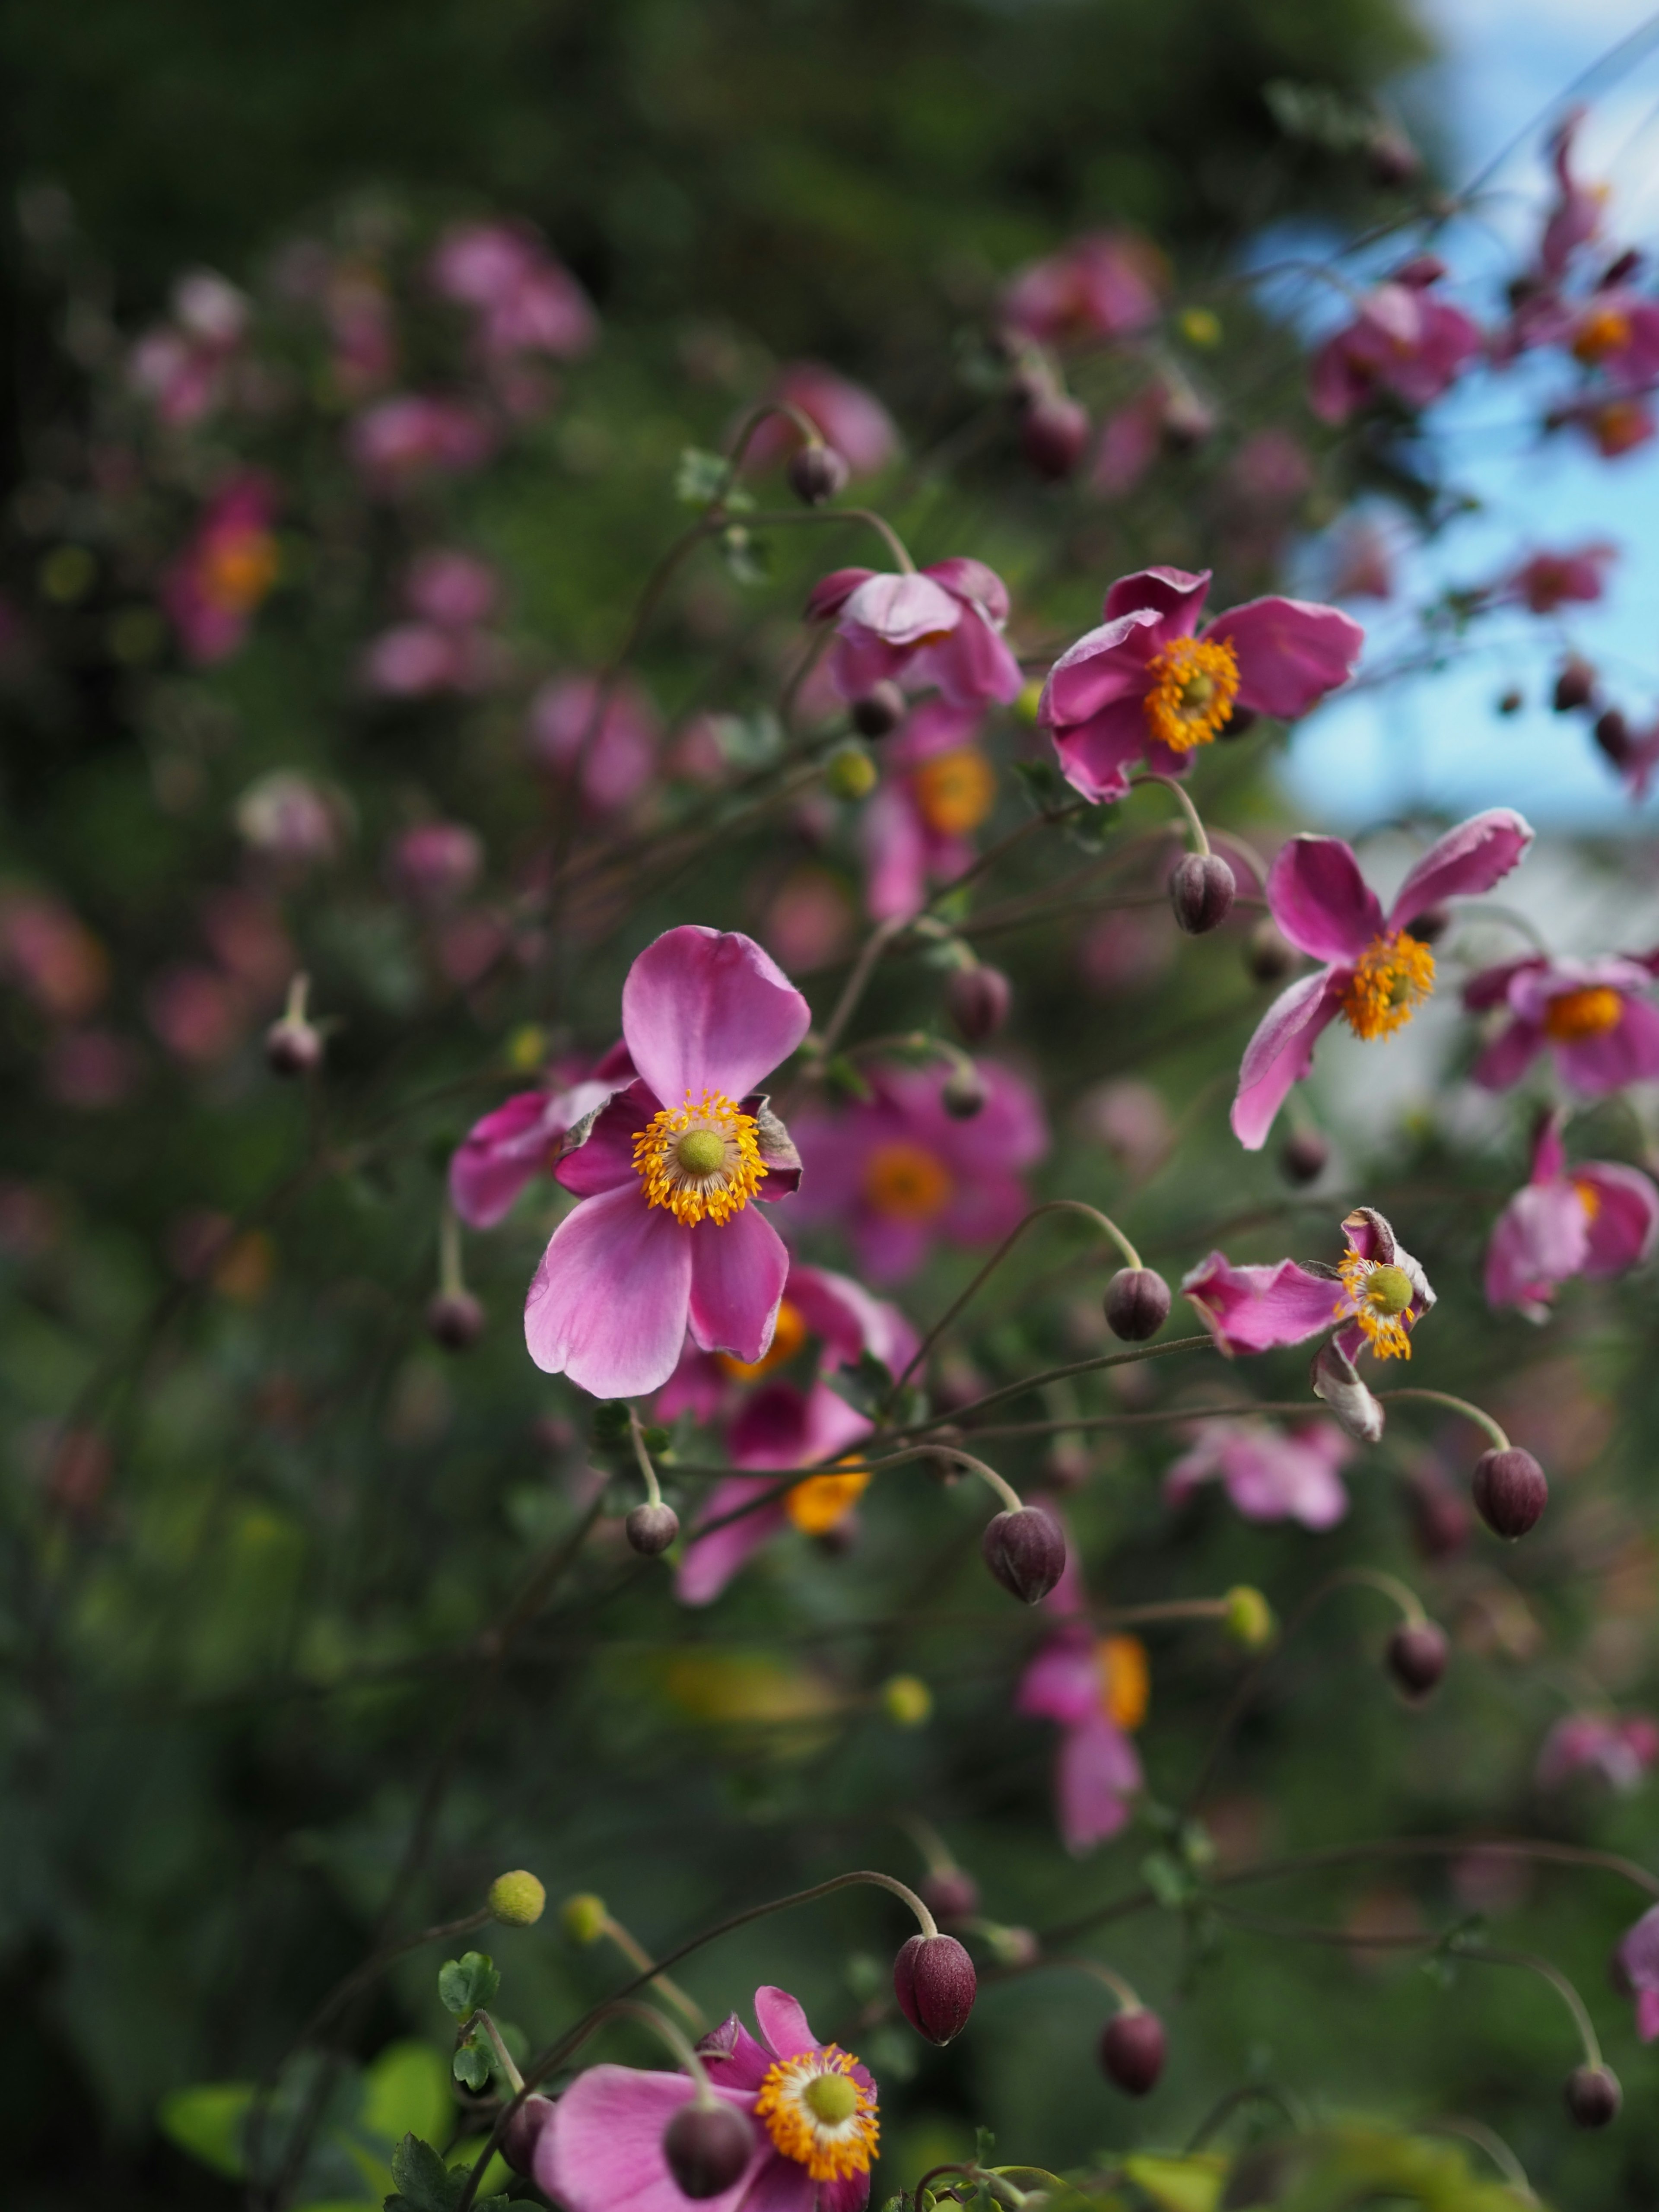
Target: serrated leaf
(466,1982)
(424,2183)
(472,2066)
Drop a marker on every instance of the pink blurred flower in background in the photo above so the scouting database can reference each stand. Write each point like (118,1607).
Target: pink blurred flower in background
(1372,1299)
(1596,1218)
(523,1136)
(1619,1748)
(402,440)
(849,418)
(1548,580)
(451,595)
(199,1014)
(820,1308)
(1106,284)
(225,571)
(47,952)
(181,367)
(435,863)
(1097,1688)
(286,819)
(942,627)
(938,785)
(1587,1012)
(1404,340)
(523,299)
(609,745)
(1575,217)
(1636,1972)
(1271,1473)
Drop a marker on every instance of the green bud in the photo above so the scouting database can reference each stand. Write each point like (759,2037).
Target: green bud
(1249,1619)
(584,1916)
(907,1701)
(850,772)
(518,1898)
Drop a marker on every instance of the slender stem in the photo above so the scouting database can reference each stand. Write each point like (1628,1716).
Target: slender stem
(636,1955)
(1558,1981)
(1200,841)
(1127,2000)
(1482,1421)
(1237,1410)
(1204,1343)
(895,544)
(660,2025)
(763,412)
(298,990)
(846,1005)
(928,1841)
(503,2055)
(653,1491)
(1248,2093)
(1488,2140)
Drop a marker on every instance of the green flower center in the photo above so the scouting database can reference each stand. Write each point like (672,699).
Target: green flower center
(701,1151)
(1388,1290)
(831,2098)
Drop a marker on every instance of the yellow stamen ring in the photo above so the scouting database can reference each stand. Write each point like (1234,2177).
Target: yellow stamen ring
(955,791)
(1124,1679)
(1395,974)
(1195,685)
(1378,1298)
(823,1501)
(812,2118)
(700,1161)
(1572,1016)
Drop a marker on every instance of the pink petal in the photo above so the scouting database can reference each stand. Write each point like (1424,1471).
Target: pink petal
(831,593)
(971,665)
(610,1301)
(1254,1308)
(770,1430)
(698,1386)
(1097,1773)
(1470,859)
(1106,664)
(1541,1239)
(1321,901)
(847,1320)
(602,2150)
(782,2024)
(1549,1158)
(1647,2016)
(1509,1056)
(1095,756)
(1629,1053)
(1290,652)
(849,2196)
(782,2185)
(709,1562)
(890,1250)
(501,1154)
(1626,1221)
(895,856)
(605,1158)
(831,1426)
(902,609)
(1491,987)
(1175,595)
(1280,1053)
(706,1009)
(738,1274)
(970,579)
(741,2063)
(1062,1683)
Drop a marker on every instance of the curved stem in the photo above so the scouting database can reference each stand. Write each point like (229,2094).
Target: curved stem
(1549,1971)
(928,1841)
(660,2024)
(854,989)
(636,1955)
(784,516)
(1248,2093)
(763,412)
(653,1491)
(298,991)
(503,2056)
(1127,2000)
(1488,2140)
(1128,1358)
(1200,843)
(1482,1421)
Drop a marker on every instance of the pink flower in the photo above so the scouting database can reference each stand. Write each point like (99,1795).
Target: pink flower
(1617,331)
(1131,439)
(1576,216)
(938,788)
(48,953)
(1403,341)
(525,300)
(212,590)
(898,1171)
(284,818)
(1148,686)
(601,2150)
(1371,1301)
(1549,580)
(1271,1473)
(1097,1688)
(1586,1011)
(1597,1218)
(851,419)
(435,863)
(942,627)
(455,589)
(1636,1967)
(401,440)
(1106,284)
(666,1238)
(1376,972)
(1618,1747)
(523,1136)
(181,367)
(612,749)
(417,661)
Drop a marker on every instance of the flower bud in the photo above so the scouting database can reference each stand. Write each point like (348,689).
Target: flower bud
(519,2135)
(1594,2095)
(1269,957)
(583,1916)
(1053,434)
(1137,1303)
(850,772)
(455,1320)
(652,1529)
(1416,1657)
(517,1900)
(1336,1379)
(815,473)
(1509,1491)
(1303,1156)
(950,1894)
(1131,2049)
(1025,1551)
(1201,889)
(879,711)
(907,1701)
(1248,1618)
(707,2147)
(1575,686)
(935,1982)
(294,1046)
(979,999)
(1612,733)
(964,1093)
(1012,1947)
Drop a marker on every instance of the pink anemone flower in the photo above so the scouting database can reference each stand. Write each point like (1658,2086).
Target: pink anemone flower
(1616,331)
(1586,1011)
(611,747)
(666,1238)
(1636,1971)
(409,437)
(526,300)
(1576,216)
(1106,284)
(942,627)
(1376,972)
(1597,1218)
(1148,686)
(525,1137)
(819,1307)
(1271,1473)
(213,590)
(1097,1688)
(1403,341)
(1619,1748)
(601,2149)
(898,1171)
(937,788)
(1549,580)
(1371,1300)
(849,418)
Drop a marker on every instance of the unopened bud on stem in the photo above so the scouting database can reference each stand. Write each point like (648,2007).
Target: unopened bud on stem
(1201,891)
(1131,2050)
(518,1899)
(652,1529)
(707,2147)
(879,711)
(935,1982)
(815,473)
(455,1320)
(1416,1657)
(1509,1491)
(979,999)
(1594,2095)
(1026,1550)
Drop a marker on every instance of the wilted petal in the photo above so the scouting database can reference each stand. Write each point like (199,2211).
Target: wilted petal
(1336,1379)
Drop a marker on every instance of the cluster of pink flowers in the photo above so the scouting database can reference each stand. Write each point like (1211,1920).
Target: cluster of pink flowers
(225,571)
(444,644)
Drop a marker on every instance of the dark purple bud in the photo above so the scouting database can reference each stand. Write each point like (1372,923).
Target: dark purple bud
(935,1982)
(1131,2049)
(707,2147)
(652,1529)
(519,2136)
(1440,1521)
(881,710)
(964,1093)
(1575,687)
(1392,159)
(1511,702)
(455,1320)
(979,999)
(1238,724)
(815,473)
(1137,1303)
(1201,889)
(950,1894)
(293,1047)
(1025,1551)
(1431,925)
(1509,1491)
(1625,266)
(1269,957)
(1416,1657)
(1613,734)
(1053,433)
(1305,1156)
(1594,2095)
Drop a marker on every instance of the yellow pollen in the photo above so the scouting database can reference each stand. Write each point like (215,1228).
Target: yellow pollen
(1588,1196)
(1124,1679)
(1194,683)
(1394,975)
(1378,1298)
(237,570)
(905,1181)
(832,2135)
(699,1160)
(823,1501)
(788,1334)
(955,791)
(1575,1015)
(1601,332)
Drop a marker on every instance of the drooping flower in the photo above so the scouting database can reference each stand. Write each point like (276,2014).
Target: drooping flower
(897,1171)
(1271,1473)
(1097,1688)
(849,418)
(523,1136)
(1106,284)
(1548,580)
(608,746)
(940,627)
(812,2106)
(1596,1218)
(1376,972)
(938,787)
(1370,1301)
(1635,1967)
(1586,1011)
(1404,340)
(1620,1748)
(1148,686)
(666,1238)
(224,573)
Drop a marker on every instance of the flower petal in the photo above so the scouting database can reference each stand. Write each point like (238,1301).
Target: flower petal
(732,2057)
(706,1009)
(1628,1053)
(1095,756)
(1175,595)
(602,1155)
(782,2185)
(902,609)
(1540,1238)
(1509,1056)
(831,593)
(610,1301)
(783,2023)
(1097,1773)
(848,1320)
(1321,901)
(851,2195)
(895,845)
(601,2150)
(1107,664)
(1254,1308)
(1470,859)
(970,579)
(709,1562)
(1290,652)
(1280,1053)
(499,1155)
(1626,1223)
(1062,1683)
(738,1274)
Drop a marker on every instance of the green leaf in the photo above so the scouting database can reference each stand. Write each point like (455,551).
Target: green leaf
(1044,789)
(206,2122)
(405,2092)
(700,477)
(1178,2185)
(472,2066)
(466,1982)
(424,2183)
(497,2175)
(1169,1881)
(984,2144)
